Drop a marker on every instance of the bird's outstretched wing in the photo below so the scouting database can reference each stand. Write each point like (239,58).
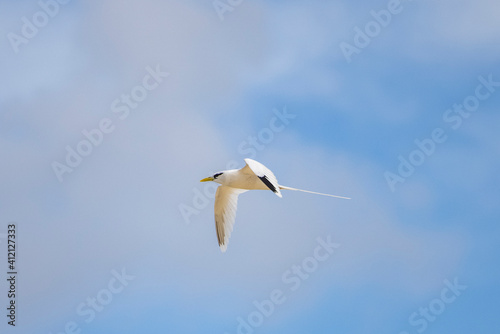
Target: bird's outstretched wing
(226,202)
(264,174)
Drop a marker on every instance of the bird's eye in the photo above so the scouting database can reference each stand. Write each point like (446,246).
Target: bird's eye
(217,175)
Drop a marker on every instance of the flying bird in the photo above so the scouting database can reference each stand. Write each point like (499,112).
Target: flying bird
(254,176)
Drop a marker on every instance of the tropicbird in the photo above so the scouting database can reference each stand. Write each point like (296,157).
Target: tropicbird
(254,176)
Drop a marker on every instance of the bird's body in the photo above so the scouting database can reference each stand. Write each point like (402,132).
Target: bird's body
(237,178)
(254,176)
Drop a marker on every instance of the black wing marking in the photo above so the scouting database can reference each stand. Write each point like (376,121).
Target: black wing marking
(268,183)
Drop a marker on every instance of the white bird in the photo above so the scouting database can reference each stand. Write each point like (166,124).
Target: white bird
(254,176)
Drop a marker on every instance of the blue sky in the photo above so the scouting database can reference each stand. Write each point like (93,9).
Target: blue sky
(127,233)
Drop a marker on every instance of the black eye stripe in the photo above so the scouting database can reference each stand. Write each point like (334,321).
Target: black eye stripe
(216,175)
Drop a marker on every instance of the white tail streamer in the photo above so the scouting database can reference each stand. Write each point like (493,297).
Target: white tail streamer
(312,192)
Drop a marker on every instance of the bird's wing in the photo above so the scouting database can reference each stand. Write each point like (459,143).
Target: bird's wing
(264,174)
(226,202)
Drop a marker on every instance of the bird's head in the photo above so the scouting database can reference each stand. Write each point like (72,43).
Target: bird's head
(217,177)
